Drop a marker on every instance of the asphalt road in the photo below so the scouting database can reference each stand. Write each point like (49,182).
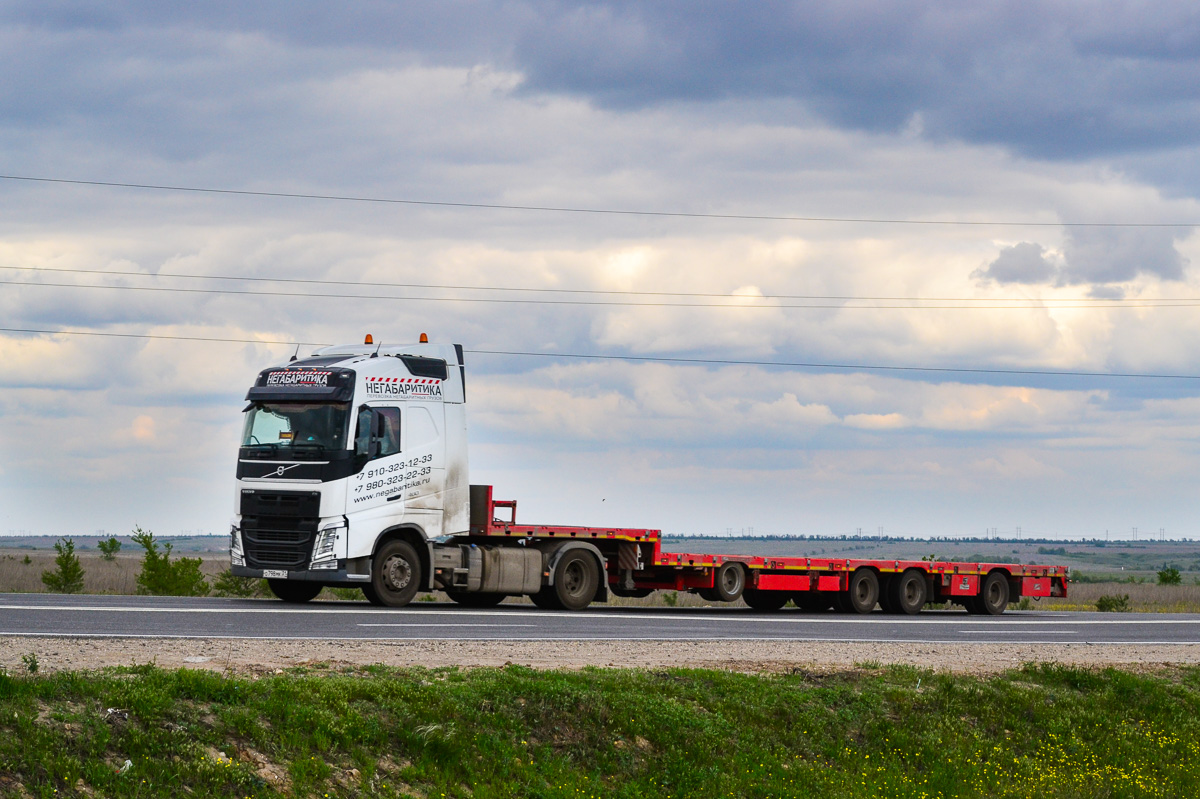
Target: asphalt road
(171,617)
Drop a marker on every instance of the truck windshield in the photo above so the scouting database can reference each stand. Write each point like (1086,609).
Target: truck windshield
(310,425)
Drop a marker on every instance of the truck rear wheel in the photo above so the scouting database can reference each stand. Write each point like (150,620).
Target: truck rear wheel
(764,600)
(993,597)
(576,579)
(395,574)
(908,592)
(294,590)
(476,599)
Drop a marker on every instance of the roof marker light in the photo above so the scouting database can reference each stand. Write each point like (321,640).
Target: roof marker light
(424,339)
(368,339)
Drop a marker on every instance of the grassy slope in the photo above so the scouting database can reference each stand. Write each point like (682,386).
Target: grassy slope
(607,733)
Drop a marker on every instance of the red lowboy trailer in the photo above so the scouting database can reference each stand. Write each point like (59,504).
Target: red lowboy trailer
(635,565)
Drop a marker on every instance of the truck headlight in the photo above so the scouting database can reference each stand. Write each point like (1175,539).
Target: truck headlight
(236,556)
(325,547)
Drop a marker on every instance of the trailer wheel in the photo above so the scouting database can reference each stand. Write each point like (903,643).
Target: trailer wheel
(863,594)
(908,592)
(729,582)
(396,573)
(476,599)
(993,598)
(294,590)
(576,578)
(764,600)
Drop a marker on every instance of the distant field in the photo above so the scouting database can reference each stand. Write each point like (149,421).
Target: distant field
(99,576)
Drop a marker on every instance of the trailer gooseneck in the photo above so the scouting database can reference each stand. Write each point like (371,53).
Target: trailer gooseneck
(353,472)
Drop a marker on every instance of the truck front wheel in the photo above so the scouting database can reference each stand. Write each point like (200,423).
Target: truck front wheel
(294,590)
(395,574)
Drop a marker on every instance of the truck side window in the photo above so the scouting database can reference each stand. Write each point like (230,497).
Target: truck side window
(386,432)
(389,431)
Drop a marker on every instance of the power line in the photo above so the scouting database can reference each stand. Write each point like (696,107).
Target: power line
(597,211)
(596,292)
(649,358)
(616,303)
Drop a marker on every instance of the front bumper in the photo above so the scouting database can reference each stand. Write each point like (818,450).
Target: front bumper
(338,576)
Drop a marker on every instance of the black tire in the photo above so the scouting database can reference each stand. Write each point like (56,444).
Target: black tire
(993,597)
(909,592)
(729,582)
(764,600)
(813,601)
(546,599)
(576,579)
(371,596)
(294,590)
(863,593)
(887,593)
(476,599)
(396,574)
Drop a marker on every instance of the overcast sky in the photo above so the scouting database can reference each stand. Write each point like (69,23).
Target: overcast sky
(1021,118)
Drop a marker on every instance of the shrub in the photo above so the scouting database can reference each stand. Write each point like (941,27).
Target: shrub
(109,548)
(68,579)
(229,584)
(1113,603)
(161,576)
(1169,576)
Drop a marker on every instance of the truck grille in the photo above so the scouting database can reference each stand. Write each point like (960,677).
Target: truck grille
(278,528)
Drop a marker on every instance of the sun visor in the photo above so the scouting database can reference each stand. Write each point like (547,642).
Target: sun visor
(303,385)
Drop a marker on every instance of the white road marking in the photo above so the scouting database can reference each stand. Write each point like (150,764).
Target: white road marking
(1020,632)
(420,624)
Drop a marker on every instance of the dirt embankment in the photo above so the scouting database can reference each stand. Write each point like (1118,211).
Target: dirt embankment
(251,656)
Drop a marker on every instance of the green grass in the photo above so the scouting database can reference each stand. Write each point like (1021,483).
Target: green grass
(900,731)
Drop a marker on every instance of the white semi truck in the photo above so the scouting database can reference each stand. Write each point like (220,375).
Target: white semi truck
(352,471)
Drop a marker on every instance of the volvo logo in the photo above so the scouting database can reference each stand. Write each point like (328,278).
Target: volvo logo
(279,471)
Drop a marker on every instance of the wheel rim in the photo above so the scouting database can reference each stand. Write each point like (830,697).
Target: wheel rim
(731,580)
(573,578)
(397,573)
(911,591)
(995,594)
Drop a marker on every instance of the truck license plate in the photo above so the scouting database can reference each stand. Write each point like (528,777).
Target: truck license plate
(280,573)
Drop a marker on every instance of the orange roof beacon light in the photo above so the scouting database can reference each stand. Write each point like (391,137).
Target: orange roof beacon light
(424,339)
(368,339)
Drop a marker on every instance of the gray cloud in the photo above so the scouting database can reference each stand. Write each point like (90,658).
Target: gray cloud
(1048,79)
(1098,256)
(1021,263)
(1111,255)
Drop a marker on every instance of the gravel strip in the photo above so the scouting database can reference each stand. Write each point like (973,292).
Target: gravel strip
(247,656)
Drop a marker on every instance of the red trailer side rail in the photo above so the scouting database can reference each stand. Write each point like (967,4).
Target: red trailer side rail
(635,565)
